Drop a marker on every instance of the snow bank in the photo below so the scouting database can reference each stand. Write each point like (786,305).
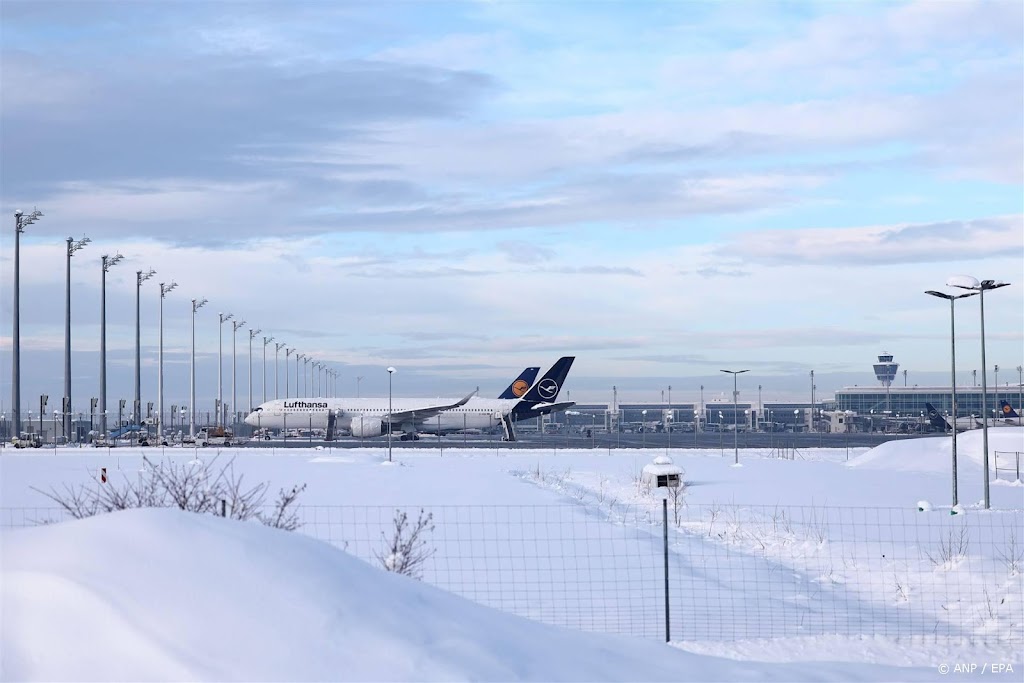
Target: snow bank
(933,454)
(162,594)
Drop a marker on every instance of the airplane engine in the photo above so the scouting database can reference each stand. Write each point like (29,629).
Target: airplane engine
(367,426)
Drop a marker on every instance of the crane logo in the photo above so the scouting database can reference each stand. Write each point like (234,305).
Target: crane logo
(548,388)
(519,388)
(1006,409)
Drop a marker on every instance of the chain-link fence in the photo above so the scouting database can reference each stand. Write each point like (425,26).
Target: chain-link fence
(735,571)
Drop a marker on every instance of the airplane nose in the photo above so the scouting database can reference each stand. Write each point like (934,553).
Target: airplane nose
(251,419)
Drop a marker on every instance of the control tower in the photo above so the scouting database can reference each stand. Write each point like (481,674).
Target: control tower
(885,372)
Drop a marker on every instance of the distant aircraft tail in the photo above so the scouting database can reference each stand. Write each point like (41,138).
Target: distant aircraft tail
(1006,410)
(546,390)
(935,417)
(521,384)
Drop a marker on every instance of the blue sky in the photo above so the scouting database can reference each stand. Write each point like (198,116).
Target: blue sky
(463,189)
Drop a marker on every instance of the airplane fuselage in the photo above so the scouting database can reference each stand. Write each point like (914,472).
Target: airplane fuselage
(362,415)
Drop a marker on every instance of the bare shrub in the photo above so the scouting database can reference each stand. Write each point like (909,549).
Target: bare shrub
(952,548)
(407,550)
(197,486)
(1012,555)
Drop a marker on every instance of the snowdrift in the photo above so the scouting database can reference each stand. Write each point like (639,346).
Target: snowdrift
(163,594)
(933,454)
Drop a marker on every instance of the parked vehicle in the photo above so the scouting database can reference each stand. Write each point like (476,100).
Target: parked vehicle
(214,436)
(27,440)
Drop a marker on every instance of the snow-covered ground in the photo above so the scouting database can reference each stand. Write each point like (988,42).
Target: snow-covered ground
(821,557)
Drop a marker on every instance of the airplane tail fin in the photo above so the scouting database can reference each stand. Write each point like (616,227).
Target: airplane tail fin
(546,390)
(1006,410)
(935,417)
(521,384)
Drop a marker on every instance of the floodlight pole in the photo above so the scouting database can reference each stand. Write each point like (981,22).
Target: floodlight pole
(735,417)
(236,325)
(277,372)
(140,277)
(971,283)
(20,221)
(73,246)
(196,305)
(252,335)
(164,290)
(220,364)
(266,341)
(391,371)
(107,263)
(952,354)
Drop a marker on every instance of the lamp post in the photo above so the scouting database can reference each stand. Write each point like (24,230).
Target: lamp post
(696,420)
(306,387)
(298,357)
(220,364)
(287,380)
(164,290)
(196,305)
(997,383)
(236,325)
(266,341)
(107,262)
(391,371)
(277,373)
(951,298)
(72,247)
(735,429)
(643,426)
(252,335)
(973,284)
(358,381)
(140,277)
(20,221)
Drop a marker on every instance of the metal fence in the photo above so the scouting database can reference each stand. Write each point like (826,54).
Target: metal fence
(734,571)
(1007,465)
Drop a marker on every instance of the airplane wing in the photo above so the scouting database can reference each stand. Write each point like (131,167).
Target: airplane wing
(545,408)
(427,412)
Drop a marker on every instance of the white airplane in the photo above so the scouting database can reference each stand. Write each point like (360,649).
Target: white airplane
(369,417)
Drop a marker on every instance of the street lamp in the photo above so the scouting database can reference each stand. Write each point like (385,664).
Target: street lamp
(951,298)
(288,352)
(164,291)
(306,387)
(20,221)
(643,426)
(72,247)
(973,284)
(277,373)
(220,364)
(358,381)
(196,305)
(391,371)
(298,357)
(236,325)
(252,335)
(266,341)
(107,262)
(735,410)
(140,277)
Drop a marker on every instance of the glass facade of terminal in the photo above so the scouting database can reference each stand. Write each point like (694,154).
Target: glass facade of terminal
(910,401)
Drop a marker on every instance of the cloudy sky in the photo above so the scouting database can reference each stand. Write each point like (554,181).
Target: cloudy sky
(663,189)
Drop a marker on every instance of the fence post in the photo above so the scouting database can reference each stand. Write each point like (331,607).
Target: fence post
(223,508)
(664,523)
